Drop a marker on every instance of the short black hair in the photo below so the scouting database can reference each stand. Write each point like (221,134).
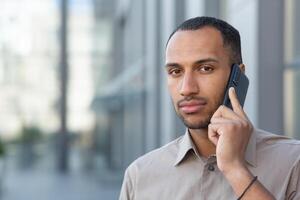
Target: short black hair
(231,36)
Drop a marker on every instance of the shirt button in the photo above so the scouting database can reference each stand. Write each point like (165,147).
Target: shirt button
(211,167)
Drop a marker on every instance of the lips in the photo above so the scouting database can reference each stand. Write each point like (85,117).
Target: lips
(192,106)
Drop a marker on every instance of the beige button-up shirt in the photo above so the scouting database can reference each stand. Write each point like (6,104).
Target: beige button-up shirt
(176,171)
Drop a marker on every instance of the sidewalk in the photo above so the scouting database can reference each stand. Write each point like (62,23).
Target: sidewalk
(39,185)
(46,184)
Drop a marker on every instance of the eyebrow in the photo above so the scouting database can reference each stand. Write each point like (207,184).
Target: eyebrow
(206,60)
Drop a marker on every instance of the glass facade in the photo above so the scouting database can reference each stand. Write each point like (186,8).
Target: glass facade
(292,69)
(28,54)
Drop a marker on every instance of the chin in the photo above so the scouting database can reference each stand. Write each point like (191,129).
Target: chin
(195,124)
(199,125)
(196,120)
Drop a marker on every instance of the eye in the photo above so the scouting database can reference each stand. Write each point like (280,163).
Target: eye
(175,72)
(205,68)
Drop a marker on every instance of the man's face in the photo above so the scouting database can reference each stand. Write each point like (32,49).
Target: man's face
(198,68)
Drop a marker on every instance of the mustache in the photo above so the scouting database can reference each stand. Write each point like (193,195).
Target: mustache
(191,98)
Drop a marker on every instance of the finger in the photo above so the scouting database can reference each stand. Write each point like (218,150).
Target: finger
(213,134)
(225,112)
(236,106)
(221,120)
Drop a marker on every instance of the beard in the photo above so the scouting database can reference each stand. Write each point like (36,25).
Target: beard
(202,124)
(206,116)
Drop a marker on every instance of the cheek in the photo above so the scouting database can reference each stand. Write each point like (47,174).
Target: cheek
(215,88)
(172,88)
(173,85)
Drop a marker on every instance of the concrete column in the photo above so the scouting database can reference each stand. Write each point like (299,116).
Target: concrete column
(270,65)
(152,79)
(167,25)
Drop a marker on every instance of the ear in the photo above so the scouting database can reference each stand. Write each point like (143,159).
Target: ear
(242,67)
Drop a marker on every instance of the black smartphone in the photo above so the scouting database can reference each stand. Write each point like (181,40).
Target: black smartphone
(240,82)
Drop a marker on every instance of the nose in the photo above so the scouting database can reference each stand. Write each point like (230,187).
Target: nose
(189,85)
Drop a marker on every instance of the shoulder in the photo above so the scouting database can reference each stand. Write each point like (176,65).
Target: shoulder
(267,138)
(278,146)
(165,155)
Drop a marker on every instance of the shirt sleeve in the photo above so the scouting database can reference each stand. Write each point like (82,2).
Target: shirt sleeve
(293,190)
(127,187)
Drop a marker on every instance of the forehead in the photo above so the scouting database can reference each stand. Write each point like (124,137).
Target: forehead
(204,42)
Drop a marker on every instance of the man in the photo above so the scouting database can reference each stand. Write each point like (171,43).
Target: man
(221,155)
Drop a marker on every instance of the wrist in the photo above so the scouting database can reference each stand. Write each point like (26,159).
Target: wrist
(238,176)
(243,182)
(236,171)
(232,167)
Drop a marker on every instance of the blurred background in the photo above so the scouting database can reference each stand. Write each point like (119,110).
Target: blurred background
(83,93)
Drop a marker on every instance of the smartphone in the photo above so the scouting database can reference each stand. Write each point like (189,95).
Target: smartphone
(240,82)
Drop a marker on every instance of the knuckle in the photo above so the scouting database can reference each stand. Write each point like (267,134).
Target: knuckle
(250,127)
(247,124)
(229,127)
(222,107)
(237,124)
(244,124)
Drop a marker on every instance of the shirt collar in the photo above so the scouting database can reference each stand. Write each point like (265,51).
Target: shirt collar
(186,143)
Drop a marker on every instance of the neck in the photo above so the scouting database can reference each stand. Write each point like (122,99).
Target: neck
(204,146)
